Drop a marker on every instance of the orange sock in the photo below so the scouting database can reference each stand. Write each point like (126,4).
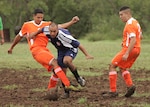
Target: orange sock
(112,80)
(53,81)
(58,71)
(127,77)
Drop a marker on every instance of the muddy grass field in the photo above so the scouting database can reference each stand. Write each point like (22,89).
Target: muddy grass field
(26,88)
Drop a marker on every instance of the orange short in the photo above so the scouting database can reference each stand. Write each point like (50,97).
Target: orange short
(43,56)
(117,60)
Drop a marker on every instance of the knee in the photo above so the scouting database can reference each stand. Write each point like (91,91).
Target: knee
(112,67)
(66,62)
(122,69)
(54,63)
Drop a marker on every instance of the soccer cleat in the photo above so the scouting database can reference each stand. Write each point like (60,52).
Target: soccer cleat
(109,94)
(81,81)
(72,88)
(130,91)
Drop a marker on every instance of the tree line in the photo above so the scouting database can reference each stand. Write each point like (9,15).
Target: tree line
(99,19)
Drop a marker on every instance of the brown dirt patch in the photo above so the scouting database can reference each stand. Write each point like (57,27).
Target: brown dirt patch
(23,85)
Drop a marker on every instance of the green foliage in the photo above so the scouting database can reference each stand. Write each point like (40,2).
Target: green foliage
(97,17)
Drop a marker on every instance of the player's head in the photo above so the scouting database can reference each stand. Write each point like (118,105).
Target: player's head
(53,29)
(38,15)
(125,13)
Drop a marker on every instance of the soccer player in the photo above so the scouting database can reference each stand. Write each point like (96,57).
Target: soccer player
(67,47)
(38,46)
(132,35)
(1,32)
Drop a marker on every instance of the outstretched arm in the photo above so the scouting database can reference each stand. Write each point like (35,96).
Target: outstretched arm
(74,20)
(16,40)
(88,56)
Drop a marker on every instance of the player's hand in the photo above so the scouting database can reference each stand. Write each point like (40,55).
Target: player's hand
(125,56)
(9,51)
(89,57)
(75,19)
(2,41)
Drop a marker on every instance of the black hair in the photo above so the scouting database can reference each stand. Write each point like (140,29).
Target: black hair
(124,8)
(38,11)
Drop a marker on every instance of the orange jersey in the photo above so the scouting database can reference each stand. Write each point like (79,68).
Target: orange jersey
(29,27)
(132,29)
(38,45)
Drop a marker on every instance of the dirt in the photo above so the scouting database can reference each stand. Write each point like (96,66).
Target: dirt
(26,88)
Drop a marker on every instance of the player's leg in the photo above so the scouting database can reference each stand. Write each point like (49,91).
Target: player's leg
(66,92)
(53,81)
(59,72)
(126,74)
(68,61)
(113,78)
(112,83)
(47,59)
(113,75)
(128,80)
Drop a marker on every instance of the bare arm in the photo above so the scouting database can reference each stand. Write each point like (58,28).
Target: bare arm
(74,20)
(88,56)
(2,37)
(15,41)
(131,46)
(34,34)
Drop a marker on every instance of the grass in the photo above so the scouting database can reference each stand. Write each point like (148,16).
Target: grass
(82,100)
(103,52)
(10,87)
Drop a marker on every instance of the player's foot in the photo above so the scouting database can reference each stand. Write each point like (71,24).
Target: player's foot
(130,91)
(65,95)
(72,88)
(109,94)
(81,81)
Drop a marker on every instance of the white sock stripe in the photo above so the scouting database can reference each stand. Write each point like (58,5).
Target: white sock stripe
(125,72)
(112,73)
(51,61)
(54,78)
(57,70)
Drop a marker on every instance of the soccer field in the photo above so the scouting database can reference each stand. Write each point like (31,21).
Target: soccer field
(24,81)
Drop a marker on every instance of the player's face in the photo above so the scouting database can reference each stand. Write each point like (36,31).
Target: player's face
(38,18)
(53,31)
(123,16)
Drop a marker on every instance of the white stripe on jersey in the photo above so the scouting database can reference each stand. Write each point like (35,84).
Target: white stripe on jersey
(65,39)
(46,30)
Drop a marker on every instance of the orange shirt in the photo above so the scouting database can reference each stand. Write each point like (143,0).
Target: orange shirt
(132,29)
(41,40)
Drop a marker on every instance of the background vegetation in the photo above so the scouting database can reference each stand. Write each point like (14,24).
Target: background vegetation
(99,19)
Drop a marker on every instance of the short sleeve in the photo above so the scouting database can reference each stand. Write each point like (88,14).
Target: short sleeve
(1,24)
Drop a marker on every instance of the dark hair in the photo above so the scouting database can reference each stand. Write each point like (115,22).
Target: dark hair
(124,8)
(38,11)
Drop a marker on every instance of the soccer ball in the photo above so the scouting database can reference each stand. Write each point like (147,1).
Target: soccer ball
(52,94)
